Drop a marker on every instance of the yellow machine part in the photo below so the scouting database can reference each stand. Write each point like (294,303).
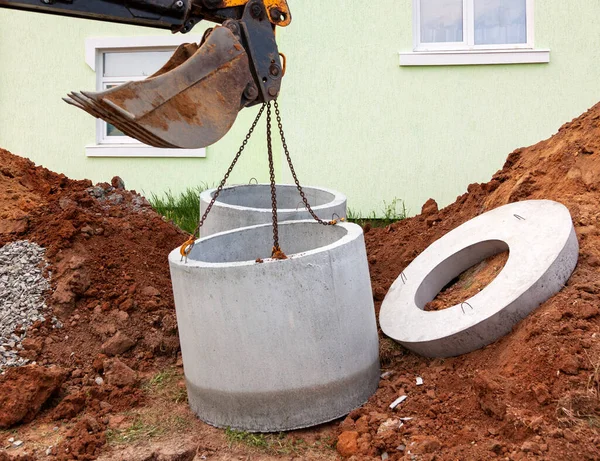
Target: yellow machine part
(282,18)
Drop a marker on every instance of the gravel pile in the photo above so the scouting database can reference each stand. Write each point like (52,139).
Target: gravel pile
(22,287)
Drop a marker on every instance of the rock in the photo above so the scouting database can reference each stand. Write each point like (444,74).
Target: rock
(99,381)
(150,291)
(24,390)
(115,199)
(347,424)
(77,373)
(388,425)
(379,294)
(22,300)
(169,324)
(96,191)
(496,447)
(118,344)
(117,183)
(105,406)
(430,207)
(530,447)
(569,364)
(116,421)
(30,344)
(127,305)
(362,424)
(541,392)
(70,406)
(98,363)
(118,374)
(91,424)
(65,203)
(570,436)
(18,443)
(347,443)
(588,311)
(490,395)
(426,444)
(87,230)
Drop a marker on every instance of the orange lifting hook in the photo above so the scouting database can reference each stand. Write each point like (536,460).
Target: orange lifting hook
(186,248)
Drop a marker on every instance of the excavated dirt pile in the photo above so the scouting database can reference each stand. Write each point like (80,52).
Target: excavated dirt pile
(107,252)
(531,395)
(534,394)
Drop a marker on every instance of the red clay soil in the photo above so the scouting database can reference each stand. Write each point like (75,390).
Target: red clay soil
(469,283)
(107,251)
(535,394)
(531,395)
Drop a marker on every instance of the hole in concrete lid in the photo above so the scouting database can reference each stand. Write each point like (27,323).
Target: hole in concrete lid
(259,196)
(256,242)
(462,275)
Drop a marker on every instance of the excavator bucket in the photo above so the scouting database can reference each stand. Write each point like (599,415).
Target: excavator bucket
(191,102)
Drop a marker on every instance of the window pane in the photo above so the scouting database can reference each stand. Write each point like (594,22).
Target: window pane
(134,63)
(500,22)
(441,21)
(111,130)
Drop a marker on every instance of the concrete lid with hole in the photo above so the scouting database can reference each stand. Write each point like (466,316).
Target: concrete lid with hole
(543,253)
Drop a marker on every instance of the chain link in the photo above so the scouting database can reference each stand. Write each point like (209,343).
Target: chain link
(276,253)
(294,175)
(226,177)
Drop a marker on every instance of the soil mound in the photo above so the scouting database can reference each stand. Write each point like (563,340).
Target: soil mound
(107,252)
(534,393)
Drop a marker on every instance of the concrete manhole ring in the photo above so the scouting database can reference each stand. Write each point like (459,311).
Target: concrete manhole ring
(543,254)
(277,345)
(250,205)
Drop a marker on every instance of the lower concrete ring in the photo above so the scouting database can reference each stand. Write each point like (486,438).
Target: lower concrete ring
(249,205)
(277,345)
(543,254)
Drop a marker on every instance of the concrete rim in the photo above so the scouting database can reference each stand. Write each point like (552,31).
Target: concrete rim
(338,200)
(540,237)
(353,232)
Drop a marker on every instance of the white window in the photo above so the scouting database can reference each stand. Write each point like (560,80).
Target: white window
(451,32)
(120,60)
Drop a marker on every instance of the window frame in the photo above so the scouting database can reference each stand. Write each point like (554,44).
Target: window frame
(125,146)
(468,43)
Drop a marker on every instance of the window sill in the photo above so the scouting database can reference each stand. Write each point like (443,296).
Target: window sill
(134,150)
(474,57)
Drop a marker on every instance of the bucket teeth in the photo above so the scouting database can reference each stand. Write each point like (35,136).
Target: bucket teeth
(191,102)
(86,102)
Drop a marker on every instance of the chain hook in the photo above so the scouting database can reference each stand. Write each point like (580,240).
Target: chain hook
(186,248)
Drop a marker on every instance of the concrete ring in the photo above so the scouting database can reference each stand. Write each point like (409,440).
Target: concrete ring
(250,205)
(543,254)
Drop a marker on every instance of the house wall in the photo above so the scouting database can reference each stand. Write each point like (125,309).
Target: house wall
(355,120)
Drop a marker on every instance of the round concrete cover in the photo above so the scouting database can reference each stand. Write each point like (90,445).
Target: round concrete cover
(543,254)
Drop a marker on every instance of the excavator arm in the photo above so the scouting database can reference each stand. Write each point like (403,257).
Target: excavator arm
(194,99)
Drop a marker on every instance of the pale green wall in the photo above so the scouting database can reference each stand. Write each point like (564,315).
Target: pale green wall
(356,121)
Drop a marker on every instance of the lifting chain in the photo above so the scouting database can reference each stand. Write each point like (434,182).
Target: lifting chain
(276,253)
(294,175)
(187,247)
